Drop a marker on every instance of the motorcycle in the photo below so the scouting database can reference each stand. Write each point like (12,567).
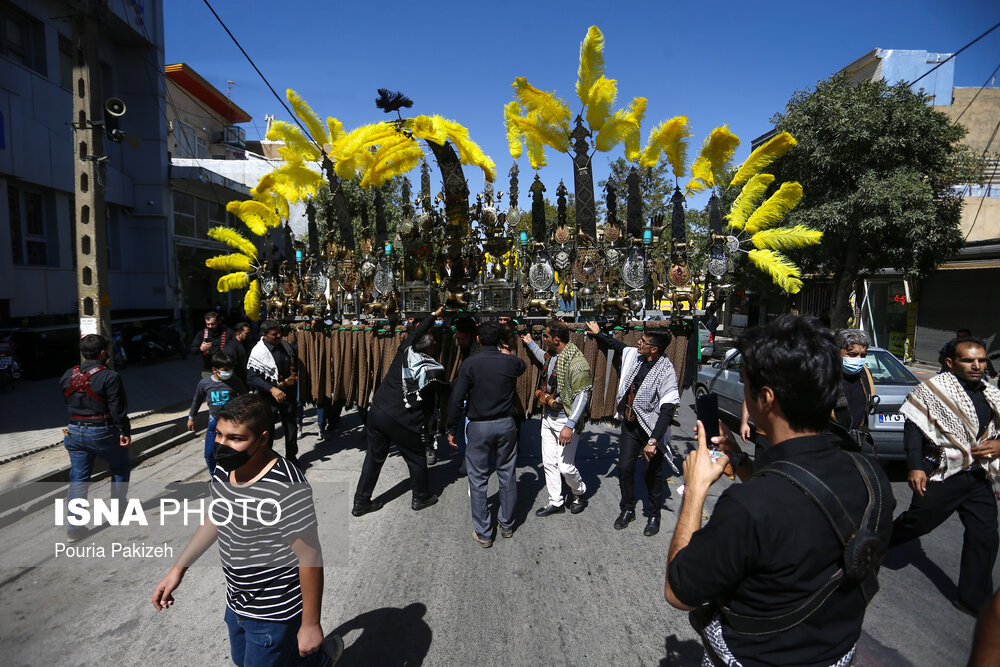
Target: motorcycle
(148,344)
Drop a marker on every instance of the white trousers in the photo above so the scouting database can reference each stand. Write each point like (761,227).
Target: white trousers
(557,461)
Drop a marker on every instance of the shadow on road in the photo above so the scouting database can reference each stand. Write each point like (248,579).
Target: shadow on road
(388,636)
(681,652)
(913,554)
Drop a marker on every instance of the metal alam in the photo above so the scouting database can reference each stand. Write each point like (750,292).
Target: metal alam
(491,258)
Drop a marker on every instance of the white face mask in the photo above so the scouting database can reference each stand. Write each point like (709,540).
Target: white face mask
(225,375)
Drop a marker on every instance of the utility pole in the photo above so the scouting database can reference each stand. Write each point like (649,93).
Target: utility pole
(89,175)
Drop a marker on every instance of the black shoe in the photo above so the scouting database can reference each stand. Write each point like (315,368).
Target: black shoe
(652,526)
(417,505)
(550,509)
(363,507)
(624,519)
(577,504)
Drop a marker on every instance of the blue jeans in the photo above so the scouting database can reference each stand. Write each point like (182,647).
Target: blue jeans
(210,444)
(254,643)
(84,443)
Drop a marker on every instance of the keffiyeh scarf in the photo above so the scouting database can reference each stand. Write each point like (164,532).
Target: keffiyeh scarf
(262,361)
(418,370)
(572,375)
(646,403)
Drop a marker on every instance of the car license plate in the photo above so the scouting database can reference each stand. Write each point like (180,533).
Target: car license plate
(893,418)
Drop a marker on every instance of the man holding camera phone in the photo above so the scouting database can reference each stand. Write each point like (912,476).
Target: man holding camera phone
(646,401)
(772,577)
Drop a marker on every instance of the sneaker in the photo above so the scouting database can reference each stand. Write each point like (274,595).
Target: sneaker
(549,510)
(507,532)
(484,543)
(333,648)
(75,534)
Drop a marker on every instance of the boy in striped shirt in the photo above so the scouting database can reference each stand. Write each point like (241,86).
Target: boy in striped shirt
(266,527)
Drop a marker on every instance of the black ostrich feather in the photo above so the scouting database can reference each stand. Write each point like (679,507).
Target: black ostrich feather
(392,100)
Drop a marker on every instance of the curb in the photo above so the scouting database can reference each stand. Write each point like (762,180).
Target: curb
(28,496)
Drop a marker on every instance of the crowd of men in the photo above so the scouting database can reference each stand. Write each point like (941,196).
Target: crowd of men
(786,565)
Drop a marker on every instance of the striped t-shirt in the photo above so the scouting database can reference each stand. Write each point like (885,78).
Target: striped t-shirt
(262,571)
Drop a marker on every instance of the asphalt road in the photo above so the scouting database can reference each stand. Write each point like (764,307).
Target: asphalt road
(414,588)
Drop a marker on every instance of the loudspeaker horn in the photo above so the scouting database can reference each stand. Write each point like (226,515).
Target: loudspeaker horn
(114,107)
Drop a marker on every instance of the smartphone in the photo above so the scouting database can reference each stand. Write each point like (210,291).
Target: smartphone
(707,409)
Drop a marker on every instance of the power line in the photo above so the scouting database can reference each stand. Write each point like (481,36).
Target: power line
(940,63)
(997,68)
(261,74)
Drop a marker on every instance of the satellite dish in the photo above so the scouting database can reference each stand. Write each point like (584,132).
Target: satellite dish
(114,107)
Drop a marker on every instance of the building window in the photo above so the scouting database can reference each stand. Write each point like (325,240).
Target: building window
(22,38)
(183,214)
(65,63)
(28,237)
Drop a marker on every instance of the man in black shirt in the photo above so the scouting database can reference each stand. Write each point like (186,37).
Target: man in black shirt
(951,442)
(488,381)
(646,401)
(98,422)
(399,413)
(271,371)
(768,547)
(213,338)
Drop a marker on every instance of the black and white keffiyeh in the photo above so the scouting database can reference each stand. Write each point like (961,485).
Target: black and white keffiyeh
(419,370)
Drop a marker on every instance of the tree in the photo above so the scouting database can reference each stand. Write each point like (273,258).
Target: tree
(876,164)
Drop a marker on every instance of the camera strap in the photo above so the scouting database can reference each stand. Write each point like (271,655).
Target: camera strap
(847,532)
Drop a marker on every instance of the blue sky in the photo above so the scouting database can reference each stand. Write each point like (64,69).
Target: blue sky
(715,62)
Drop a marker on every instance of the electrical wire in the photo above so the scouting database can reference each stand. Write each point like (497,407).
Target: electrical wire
(995,70)
(952,56)
(988,187)
(261,74)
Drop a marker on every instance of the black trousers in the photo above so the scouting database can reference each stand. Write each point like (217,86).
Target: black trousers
(971,495)
(381,431)
(286,413)
(630,448)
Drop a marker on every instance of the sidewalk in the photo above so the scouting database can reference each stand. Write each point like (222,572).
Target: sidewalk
(33,414)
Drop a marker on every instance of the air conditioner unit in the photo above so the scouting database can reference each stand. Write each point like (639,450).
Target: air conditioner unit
(234,136)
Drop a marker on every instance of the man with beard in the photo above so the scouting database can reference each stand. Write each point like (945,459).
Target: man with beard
(951,441)
(213,338)
(564,395)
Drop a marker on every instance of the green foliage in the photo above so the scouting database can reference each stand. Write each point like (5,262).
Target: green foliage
(656,185)
(361,204)
(876,164)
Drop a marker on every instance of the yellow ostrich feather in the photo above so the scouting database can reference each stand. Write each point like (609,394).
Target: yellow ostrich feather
(256,216)
(622,124)
(694,186)
(552,109)
(232,262)
(774,209)
(272,199)
(231,281)
(764,155)
(786,238)
(335,129)
(747,200)
(469,151)
(428,128)
(670,138)
(542,132)
(591,64)
(294,181)
(251,302)
(602,95)
(781,270)
(515,143)
(710,167)
(392,160)
(351,150)
(233,238)
(296,144)
(536,152)
(308,117)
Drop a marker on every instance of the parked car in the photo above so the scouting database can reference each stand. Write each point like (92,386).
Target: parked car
(707,340)
(893,381)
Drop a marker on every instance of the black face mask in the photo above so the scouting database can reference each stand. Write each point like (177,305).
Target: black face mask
(230,459)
